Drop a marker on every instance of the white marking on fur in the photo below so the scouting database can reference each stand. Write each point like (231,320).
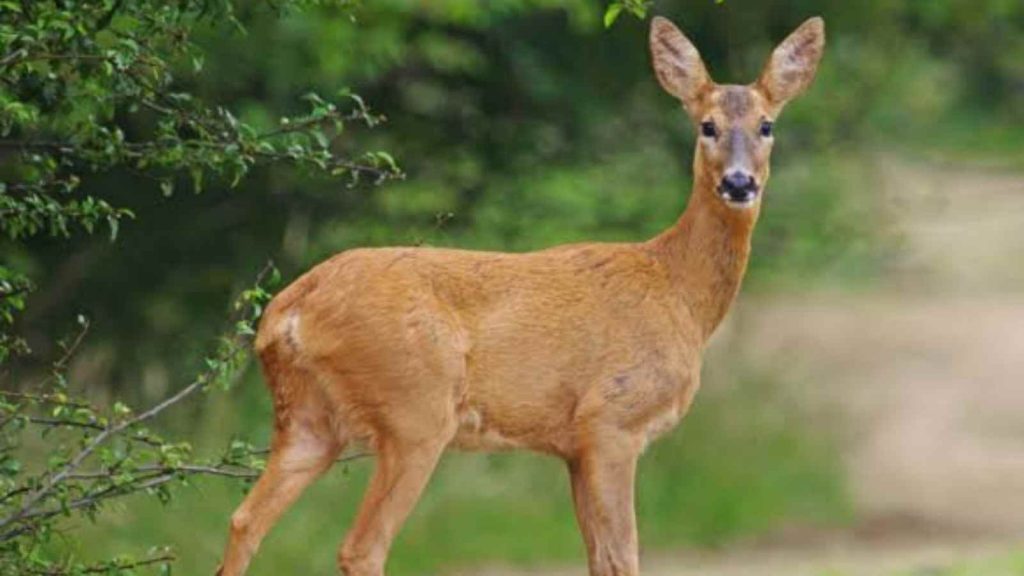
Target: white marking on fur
(471,420)
(290,329)
(474,435)
(494,440)
(662,423)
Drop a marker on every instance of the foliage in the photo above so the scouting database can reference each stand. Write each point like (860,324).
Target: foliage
(521,124)
(636,7)
(75,73)
(63,458)
(89,89)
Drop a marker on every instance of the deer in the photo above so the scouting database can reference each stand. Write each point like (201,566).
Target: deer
(586,352)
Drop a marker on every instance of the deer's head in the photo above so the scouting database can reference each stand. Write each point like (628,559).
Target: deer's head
(735,123)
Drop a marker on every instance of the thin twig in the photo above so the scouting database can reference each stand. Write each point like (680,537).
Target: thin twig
(58,366)
(69,351)
(137,150)
(42,398)
(59,423)
(156,476)
(106,568)
(224,469)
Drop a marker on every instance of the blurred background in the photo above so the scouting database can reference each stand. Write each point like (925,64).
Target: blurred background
(862,410)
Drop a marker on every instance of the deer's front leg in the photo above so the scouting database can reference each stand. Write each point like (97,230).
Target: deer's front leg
(602,489)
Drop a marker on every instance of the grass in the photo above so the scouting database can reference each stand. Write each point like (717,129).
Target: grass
(1005,565)
(740,464)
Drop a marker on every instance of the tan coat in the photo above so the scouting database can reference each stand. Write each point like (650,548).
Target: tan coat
(586,352)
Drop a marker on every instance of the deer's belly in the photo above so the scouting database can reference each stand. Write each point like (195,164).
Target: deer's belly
(474,433)
(479,432)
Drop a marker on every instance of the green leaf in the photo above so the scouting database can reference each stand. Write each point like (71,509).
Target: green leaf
(612,14)
(113,223)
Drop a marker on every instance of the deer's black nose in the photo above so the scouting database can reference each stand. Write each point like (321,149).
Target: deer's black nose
(738,186)
(738,182)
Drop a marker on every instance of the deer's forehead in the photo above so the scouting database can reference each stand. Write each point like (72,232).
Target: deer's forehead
(735,103)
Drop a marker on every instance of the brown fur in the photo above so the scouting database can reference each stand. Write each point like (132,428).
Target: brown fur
(586,352)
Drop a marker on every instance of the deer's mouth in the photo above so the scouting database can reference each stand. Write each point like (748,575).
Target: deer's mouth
(738,188)
(738,198)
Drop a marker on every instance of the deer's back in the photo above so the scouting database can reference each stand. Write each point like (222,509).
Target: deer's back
(528,344)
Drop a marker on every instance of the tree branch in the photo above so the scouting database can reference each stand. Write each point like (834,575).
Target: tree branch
(51,482)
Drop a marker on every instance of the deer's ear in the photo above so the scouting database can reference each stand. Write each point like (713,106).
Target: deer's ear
(677,64)
(793,64)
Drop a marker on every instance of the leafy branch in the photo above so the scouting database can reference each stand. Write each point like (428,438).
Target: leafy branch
(638,8)
(88,88)
(97,456)
(75,83)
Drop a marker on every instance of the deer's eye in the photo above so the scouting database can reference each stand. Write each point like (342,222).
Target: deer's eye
(708,129)
(766,128)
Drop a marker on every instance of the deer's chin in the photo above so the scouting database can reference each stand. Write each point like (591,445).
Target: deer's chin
(740,202)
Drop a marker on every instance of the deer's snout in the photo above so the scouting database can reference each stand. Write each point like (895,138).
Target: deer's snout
(738,187)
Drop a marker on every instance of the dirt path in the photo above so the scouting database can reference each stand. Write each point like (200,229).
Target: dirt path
(928,371)
(928,375)
(932,390)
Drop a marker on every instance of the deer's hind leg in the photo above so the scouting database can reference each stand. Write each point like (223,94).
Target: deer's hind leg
(404,465)
(413,417)
(304,445)
(411,433)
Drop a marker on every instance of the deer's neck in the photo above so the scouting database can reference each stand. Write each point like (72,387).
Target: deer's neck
(706,253)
